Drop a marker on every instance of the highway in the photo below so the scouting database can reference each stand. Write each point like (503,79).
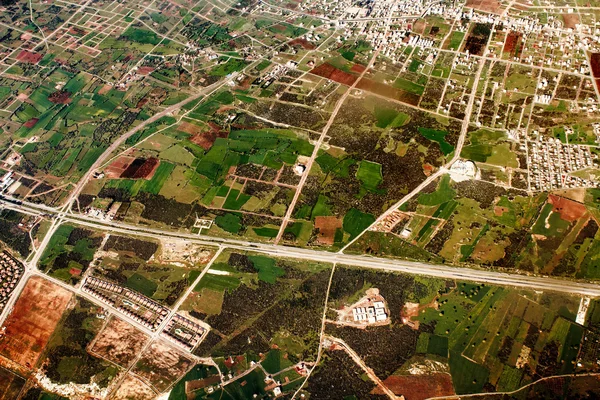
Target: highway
(365,261)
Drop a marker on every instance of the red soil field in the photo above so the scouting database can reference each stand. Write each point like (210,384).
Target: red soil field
(358,68)
(31,123)
(147,170)
(419,387)
(75,30)
(142,102)
(570,20)
(29,57)
(132,167)
(335,74)
(492,6)
(498,210)
(145,70)
(105,89)
(117,167)
(569,210)
(191,386)
(302,42)
(511,41)
(327,227)
(190,128)
(60,97)
(428,169)
(279,27)
(388,91)
(206,139)
(32,320)
(595,64)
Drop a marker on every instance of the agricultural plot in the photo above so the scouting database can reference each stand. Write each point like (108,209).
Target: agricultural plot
(197,382)
(489,147)
(512,348)
(241,179)
(68,121)
(269,77)
(70,252)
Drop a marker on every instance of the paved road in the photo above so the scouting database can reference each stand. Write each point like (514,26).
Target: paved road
(365,261)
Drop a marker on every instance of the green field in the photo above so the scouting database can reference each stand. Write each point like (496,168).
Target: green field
(217,282)
(455,40)
(439,137)
(390,118)
(142,284)
(550,223)
(409,86)
(228,67)
(267,269)
(229,222)
(275,362)
(355,222)
(490,147)
(443,193)
(369,174)
(143,36)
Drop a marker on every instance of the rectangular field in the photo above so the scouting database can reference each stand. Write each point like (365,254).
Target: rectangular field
(32,321)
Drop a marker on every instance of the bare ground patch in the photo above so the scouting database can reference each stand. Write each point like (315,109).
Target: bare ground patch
(119,342)
(162,365)
(133,389)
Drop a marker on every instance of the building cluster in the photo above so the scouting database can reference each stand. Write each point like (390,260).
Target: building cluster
(596,128)
(324,8)
(138,307)
(370,314)
(11,271)
(389,222)
(273,385)
(9,183)
(551,163)
(184,332)
(6,180)
(273,75)
(104,215)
